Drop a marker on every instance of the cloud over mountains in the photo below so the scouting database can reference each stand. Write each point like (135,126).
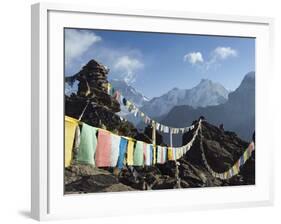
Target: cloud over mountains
(217,55)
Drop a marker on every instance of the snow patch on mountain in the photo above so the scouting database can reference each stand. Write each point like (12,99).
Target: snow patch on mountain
(206,93)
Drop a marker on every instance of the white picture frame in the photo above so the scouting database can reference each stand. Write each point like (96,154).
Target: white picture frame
(48,201)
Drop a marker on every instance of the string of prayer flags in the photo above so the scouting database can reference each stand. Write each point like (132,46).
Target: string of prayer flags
(235,169)
(102,148)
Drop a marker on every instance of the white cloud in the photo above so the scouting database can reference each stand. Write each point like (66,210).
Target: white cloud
(224,52)
(193,57)
(123,62)
(129,66)
(214,61)
(78,42)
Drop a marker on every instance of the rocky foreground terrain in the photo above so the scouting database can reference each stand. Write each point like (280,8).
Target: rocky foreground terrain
(222,148)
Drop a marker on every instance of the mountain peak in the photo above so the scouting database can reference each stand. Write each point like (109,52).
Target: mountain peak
(250,75)
(205,81)
(204,94)
(209,84)
(129,92)
(248,80)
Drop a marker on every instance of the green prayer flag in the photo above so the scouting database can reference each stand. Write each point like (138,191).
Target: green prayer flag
(138,154)
(88,143)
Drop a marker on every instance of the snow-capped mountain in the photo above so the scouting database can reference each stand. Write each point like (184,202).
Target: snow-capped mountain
(129,92)
(236,114)
(206,93)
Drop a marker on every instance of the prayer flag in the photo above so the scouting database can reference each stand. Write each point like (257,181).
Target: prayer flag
(88,144)
(138,154)
(130,153)
(70,127)
(147,154)
(122,151)
(159,154)
(115,142)
(170,153)
(103,150)
(154,154)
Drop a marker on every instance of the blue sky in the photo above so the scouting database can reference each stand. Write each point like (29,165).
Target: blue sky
(155,63)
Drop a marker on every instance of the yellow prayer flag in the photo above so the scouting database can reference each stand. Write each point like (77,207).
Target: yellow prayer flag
(130,153)
(170,154)
(69,133)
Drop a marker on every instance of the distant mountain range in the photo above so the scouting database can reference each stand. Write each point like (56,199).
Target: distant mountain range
(206,93)
(236,114)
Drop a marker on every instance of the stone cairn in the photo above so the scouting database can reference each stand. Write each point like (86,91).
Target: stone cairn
(93,76)
(102,108)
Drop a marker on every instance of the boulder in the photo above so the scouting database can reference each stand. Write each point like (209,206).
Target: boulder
(87,179)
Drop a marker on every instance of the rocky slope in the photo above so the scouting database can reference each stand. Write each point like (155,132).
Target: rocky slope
(222,148)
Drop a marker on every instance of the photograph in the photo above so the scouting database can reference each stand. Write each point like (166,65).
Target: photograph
(157,111)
